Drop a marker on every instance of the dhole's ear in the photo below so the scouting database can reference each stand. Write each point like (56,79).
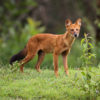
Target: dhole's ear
(68,22)
(78,22)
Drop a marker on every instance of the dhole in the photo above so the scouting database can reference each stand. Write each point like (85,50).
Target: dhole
(48,43)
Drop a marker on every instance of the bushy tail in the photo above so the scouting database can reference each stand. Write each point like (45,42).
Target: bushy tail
(18,56)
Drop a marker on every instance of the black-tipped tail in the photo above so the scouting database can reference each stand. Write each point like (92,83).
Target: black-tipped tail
(18,56)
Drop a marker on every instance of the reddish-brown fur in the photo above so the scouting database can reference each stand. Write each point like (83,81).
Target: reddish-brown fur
(48,43)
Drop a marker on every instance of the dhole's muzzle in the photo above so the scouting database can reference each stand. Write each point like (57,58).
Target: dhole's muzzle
(76,35)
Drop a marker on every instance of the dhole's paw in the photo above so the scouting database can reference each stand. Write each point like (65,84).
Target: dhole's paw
(67,73)
(56,74)
(38,70)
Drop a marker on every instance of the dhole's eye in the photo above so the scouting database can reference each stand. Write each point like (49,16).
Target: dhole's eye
(72,29)
(76,29)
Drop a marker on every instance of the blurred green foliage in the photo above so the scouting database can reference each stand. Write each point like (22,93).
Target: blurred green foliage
(12,13)
(17,26)
(16,41)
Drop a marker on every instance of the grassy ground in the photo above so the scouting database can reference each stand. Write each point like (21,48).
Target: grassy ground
(32,85)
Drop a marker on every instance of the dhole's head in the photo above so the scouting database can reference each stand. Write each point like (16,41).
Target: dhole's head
(73,28)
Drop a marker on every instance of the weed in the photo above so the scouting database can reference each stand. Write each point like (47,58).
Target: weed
(89,86)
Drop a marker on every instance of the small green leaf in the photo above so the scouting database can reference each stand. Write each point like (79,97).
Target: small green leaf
(83,73)
(90,45)
(82,41)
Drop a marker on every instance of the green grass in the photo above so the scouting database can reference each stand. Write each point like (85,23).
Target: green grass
(32,85)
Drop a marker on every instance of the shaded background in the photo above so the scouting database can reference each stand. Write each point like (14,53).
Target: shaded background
(20,19)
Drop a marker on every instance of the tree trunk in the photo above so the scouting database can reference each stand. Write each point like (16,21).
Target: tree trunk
(98,22)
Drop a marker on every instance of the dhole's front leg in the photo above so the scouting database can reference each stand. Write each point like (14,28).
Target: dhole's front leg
(55,61)
(64,55)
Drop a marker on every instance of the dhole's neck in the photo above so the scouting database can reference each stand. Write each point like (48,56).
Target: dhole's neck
(69,39)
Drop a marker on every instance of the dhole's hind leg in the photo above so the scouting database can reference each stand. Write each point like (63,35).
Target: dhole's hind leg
(26,60)
(31,52)
(41,55)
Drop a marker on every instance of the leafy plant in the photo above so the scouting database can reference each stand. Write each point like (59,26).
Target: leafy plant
(87,54)
(89,86)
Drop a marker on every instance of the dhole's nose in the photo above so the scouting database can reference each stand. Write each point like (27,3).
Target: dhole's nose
(75,35)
